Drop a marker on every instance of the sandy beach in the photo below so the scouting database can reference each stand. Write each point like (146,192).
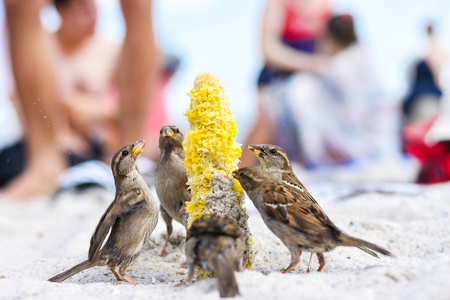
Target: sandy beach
(41,238)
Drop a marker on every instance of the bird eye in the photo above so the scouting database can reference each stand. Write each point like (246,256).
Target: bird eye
(125,153)
(273,151)
(177,131)
(160,132)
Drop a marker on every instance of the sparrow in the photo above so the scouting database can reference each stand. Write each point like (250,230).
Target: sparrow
(131,217)
(171,179)
(295,219)
(215,243)
(274,160)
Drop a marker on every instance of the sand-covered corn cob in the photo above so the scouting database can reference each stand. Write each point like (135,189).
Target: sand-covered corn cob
(212,154)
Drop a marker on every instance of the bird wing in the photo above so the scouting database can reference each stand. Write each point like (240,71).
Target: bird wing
(123,203)
(291,180)
(186,188)
(287,205)
(297,188)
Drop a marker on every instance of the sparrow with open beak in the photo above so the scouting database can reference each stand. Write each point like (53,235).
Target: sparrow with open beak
(215,243)
(131,218)
(294,218)
(171,179)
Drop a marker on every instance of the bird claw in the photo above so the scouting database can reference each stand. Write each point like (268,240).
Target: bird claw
(163,253)
(125,277)
(180,284)
(310,263)
(116,275)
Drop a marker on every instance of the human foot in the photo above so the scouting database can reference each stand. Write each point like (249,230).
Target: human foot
(35,181)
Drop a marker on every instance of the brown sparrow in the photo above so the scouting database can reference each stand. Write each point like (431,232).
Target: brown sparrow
(214,243)
(296,220)
(171,179)
(131,217)
(274,160)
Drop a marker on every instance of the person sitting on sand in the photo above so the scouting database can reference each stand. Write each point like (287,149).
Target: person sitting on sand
(341,113)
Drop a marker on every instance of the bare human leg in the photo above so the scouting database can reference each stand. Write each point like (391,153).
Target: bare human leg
(138,70)
(33,68)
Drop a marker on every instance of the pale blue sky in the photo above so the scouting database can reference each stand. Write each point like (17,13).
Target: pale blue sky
(222,36)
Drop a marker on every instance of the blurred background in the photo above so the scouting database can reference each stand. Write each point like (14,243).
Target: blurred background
(224,37)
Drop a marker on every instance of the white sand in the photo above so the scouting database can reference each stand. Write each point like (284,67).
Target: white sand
(41,238)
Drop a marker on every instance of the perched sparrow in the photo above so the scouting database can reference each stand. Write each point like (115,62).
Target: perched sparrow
(171,178)
(131,217)
(214,243)
(296,220)
(274,160)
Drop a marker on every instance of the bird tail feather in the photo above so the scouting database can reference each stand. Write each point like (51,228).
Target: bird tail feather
(223,270)
(72,271)
(368,251)
(365,246)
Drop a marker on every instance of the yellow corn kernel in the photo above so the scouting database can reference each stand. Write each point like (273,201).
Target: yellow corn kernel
(212,153)
(210,147)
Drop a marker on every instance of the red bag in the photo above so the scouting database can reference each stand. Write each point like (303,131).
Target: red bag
(434,159)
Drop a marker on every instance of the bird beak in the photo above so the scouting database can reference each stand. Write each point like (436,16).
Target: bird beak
(236,174)
(138,147)
(167,132)
(257,149)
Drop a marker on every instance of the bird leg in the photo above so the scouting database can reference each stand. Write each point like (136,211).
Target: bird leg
(125,277)
(168,220)
(181,283)
(122,272)
(115,274)
(310,262)
(164,251)
(322,261)
(295,259)
(191,266)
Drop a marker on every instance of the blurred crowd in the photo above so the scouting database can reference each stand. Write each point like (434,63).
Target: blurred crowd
(320,100)
(80,96)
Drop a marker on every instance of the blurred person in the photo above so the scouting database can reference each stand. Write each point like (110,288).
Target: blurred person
(139,70)
(91,98)
(291,30)
(11,151)
(425,94)
(428,141)
(43,105)
(85,103)
(158,115)
(427,114)
(341,114)
(87,81)
(34,73)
